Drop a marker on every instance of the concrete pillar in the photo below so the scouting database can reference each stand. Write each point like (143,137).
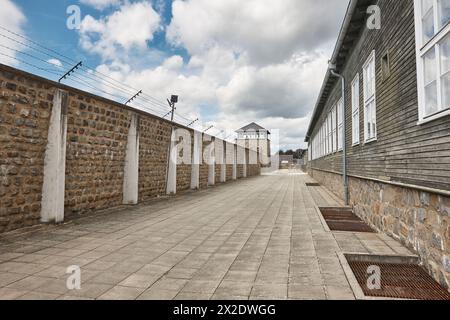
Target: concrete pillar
(196,158)
(245,164)
(234,162)
(211,163)
(52,203)
(223,166)
(131,170)
(172,167)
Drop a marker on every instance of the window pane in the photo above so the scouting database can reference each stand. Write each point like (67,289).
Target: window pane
(430,66)
(426,5)
(445,55)
(431,99)
(445,82)
(428,26)
(444,12)
(368,83)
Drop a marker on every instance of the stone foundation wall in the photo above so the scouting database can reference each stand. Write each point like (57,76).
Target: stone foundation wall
(419,219)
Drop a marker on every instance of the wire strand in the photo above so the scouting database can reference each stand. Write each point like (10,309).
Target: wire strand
(91,72)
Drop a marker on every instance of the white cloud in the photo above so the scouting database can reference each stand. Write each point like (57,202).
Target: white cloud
(128,28)
(101,4)
(269,31)
(285,90)
(12,18)
(257,60)
(173,63)
(55,62)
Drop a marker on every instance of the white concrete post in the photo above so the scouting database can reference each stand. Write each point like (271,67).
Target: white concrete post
(211,163)
(131,170)
(172,169)
(52,203)
(223,166)
(245,164)
(234,162)
(195,174)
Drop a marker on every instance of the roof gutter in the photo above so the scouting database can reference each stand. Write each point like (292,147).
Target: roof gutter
(344,28)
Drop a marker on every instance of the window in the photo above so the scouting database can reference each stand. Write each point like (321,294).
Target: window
(370,108)
(433,58)
(333,128)
(340,118)
(322,140)
(330,133)
(326,136)
(355,110)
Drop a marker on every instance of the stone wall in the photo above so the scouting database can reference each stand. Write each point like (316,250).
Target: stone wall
(25,107)
(95,150)
(253,170)
(204,168)
(240,171)
(217,172)
(229,172)
(153,153)
(184,170)
(419,219)
(96,142)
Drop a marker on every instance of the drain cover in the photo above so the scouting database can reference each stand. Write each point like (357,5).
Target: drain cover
(398,280)
(312,184)
(343,219)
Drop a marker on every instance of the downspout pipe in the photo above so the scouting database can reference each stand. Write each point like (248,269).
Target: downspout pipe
(344,145)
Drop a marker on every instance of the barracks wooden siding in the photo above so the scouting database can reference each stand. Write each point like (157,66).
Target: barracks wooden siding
(404,150)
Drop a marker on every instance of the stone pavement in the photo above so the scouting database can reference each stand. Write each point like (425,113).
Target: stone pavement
(259,238)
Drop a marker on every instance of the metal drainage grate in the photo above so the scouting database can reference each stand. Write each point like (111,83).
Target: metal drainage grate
(312,184)
(399,281)
(343,219)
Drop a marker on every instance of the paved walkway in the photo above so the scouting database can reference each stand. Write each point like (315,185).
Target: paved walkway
(260,238)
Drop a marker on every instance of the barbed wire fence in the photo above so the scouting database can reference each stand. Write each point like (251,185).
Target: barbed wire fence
(32,54)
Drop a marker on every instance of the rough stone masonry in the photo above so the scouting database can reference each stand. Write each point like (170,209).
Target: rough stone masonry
(47,129)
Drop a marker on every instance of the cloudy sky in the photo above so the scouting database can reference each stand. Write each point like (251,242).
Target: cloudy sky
(230,61)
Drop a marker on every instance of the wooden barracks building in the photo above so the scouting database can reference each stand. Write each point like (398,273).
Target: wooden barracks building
(385,107)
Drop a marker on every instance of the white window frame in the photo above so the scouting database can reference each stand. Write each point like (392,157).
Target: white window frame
(340,124)
(330,133)
(421,50)
(334,127)
(355,110)
(322,140)
(368,100)
(326,137)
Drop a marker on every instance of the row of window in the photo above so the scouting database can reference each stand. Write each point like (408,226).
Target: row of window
(433,74)
(252,136)
(329,139)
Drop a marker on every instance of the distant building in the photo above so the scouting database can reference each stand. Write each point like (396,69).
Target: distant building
(301,156)
(286,161)
(255,137)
